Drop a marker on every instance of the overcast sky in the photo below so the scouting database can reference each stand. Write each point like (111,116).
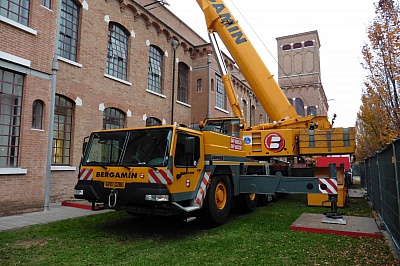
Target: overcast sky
(341,27)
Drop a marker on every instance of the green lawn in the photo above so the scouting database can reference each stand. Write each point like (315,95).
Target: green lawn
(260,238)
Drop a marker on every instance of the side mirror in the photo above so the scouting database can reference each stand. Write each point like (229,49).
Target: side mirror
(84,145)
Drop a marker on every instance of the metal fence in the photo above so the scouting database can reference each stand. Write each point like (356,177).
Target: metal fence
(381,173)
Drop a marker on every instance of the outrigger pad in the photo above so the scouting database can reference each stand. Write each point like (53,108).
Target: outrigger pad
(330,220)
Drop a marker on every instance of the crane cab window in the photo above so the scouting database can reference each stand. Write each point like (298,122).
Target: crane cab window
(230,127)
(184,158)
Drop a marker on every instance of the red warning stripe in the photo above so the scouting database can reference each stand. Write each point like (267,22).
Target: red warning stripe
(86,174)
(328,185)
(160,176)
(201,194)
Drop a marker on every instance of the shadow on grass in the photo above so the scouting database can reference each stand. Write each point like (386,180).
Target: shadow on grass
(158,227)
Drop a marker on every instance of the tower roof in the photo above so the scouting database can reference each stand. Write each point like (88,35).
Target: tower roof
(313,33)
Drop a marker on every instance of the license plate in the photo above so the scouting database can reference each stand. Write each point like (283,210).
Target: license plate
(111,184)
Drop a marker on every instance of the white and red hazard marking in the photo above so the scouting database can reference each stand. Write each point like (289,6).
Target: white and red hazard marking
(201,194)
(274,142)
(160,176)
(330,184)
(236,144)
(86,174)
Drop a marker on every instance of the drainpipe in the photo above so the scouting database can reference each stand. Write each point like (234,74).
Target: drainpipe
(54,67)
(209,85)
(174,44)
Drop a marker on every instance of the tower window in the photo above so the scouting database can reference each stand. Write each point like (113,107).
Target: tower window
(308,43)
(297,45)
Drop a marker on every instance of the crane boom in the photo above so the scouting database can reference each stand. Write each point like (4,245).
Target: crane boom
(219,19)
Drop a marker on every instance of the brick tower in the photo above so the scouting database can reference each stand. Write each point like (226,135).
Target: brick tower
(299,73)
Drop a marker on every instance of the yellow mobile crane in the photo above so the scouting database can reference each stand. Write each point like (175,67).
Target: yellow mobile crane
(289,134)
(196,173)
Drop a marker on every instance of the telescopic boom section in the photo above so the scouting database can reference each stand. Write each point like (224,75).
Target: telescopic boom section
(220,20)
(227,81)
(237,111)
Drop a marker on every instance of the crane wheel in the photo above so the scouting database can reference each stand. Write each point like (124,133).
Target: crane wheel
(247,202)
(218,201)
(263,200)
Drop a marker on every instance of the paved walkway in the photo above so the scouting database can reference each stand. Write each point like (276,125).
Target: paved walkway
(357,193)
(56,212)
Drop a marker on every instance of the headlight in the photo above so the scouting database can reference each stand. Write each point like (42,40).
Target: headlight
(78,192)
(157,198)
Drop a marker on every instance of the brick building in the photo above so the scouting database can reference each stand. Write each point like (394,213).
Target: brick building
(299,75)
(113,68)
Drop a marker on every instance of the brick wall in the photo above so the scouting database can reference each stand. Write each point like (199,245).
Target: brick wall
(85,84)
(22,192)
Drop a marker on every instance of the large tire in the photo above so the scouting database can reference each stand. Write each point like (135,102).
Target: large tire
(217,203)
(247,202)
(263,200)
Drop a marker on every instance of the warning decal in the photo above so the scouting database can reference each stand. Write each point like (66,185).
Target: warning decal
(236,144)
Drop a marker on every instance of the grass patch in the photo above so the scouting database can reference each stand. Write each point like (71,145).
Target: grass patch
(260,238)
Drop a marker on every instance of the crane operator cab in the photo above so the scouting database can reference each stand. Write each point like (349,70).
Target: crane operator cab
(226,126)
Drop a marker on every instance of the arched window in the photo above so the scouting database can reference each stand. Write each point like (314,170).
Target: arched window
(183,82)
(261,119)
(37,114)
(68,43)
(117,51)
(299,106)
(154,77)
(297,45)
(113,118)
(309,43)
(220,101)
(153,121)
(62,130)
(252,115)
(199,85)
(244,109)
(286,47)
(312,110)
(212,85)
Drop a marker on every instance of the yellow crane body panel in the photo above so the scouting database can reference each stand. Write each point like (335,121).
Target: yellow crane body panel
(320,200)
(333,141)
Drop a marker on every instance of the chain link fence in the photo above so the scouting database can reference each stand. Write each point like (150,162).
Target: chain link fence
(381,176)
